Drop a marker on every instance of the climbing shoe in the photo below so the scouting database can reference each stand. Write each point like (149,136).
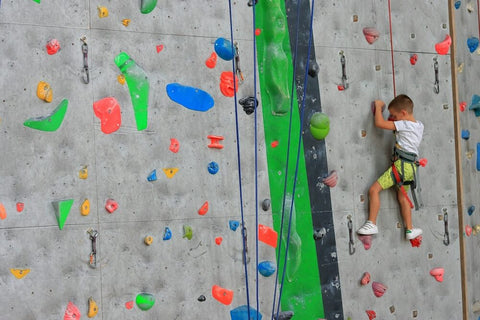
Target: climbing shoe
(368,228)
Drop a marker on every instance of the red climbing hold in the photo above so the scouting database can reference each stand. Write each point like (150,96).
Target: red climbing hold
(416,242)
(378,289)
(214,142)
(20,206)
(159,48)
(366,240)
(437,273)
(365,279)
(340,87)
(274,144)
(371,35)
(111,205)
(174,145)
(468,230)
(258,31)
(72,312)
(211,62)
(423,162)
(463,106)
(218,240)
(222,295)
(444,46)
(267,235)
(53,46)
(108,111)
(227,85)
(413,59)
(3,212)
(129,305)
(204,209)
(371,314)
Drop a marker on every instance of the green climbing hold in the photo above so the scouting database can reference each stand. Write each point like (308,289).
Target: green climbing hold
(187,232)
(145,301)
(138,86)
(37,1)
(147,6)
(51,122)
(62,209)
(319,125)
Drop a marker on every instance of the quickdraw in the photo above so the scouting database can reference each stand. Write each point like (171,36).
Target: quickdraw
(351,244)
(436,85)
(86,75)
(93,255)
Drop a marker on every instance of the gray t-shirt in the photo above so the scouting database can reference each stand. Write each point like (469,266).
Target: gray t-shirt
(409,135)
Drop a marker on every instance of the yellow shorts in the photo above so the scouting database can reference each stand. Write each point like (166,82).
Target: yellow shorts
(387,180)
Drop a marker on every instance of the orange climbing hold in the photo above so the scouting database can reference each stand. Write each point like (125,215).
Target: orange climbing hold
(211,62)
(204,209)
(228,83)
(214,142)
(222,295)
(3,212)
(267,235)
(44,91)
(437,273)
(444,46)
(170,172)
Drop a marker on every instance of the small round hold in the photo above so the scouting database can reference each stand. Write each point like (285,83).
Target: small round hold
(266,204)
(202,298)
(213,167)
(319,233)
(148,240)
(249,104)
(313,69)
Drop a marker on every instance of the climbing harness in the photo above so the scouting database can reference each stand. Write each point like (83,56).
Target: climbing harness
(351,244)
(93,255)
(407,158)
(344,71)
(436,86)
(238,71)
(86,74)
(446,236)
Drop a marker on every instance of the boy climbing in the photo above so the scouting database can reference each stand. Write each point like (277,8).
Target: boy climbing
(408,135)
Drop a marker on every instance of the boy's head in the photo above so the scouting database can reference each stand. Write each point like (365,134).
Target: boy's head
(401,103)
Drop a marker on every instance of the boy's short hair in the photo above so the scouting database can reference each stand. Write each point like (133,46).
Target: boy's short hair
(401,102)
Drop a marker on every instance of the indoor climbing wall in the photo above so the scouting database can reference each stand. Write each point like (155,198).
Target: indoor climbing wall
(120,194)
(467,26)
(369,50)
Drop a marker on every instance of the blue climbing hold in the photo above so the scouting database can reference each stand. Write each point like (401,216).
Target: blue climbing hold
(472,44)
(241,313)
(189,97)
(266,268)
(152,176)
(465,134)
(224,49)
(457,4)
(167,234)
(475,105)
(471,209)
(213,167)
(233,225)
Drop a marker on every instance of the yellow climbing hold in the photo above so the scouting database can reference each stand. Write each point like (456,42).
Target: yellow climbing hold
(85,208)
(126,22)
(44,91)
(121,79)
(170,172)
(92,308)
(148,240)
(83,173)
(102,11)
(19,273)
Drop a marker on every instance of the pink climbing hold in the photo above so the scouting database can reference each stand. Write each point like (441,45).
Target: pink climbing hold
(444,46)
(437,273)
(53,46)
(211,62)
(378,289)
(371,34)
(365,279)
(371,314)
(108,111)
(174,145)
(72,312)
(413,59)
(111,205)
(468,230)
(159,48)
(366,240)
(331,180)
(416,242)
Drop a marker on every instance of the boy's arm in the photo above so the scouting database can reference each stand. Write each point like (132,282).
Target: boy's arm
(380,122)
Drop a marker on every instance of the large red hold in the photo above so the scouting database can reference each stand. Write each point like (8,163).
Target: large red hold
(108,111)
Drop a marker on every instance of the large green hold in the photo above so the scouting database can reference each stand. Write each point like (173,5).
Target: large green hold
(145,301)
(138,86)
(62,209)
(319,125)
(51,122)
(147,6)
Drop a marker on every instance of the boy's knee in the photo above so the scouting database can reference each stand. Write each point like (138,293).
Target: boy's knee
(374,189)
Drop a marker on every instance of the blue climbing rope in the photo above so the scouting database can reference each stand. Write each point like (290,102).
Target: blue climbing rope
(292,94)
(302,112)
(239,164)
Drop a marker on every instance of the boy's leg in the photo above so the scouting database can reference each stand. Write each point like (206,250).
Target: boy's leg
(405,210)
(374,201)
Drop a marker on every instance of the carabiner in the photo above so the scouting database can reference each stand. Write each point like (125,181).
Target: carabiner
(93,255)
(436,86)
(351,244)
(86,75)
(344,72)
(446,236)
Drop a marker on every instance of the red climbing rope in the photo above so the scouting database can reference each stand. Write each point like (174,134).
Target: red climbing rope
(391,47)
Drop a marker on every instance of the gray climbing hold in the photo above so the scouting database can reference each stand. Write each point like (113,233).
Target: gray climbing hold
(202,298)
(313,68)
(319,233)
(266,204)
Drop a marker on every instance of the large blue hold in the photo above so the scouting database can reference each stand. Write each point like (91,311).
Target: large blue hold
(266,268)
(189,97)
(224,49)
(472,44)
(241,313)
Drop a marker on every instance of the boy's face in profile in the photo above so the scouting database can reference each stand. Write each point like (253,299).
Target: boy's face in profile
(396,115)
